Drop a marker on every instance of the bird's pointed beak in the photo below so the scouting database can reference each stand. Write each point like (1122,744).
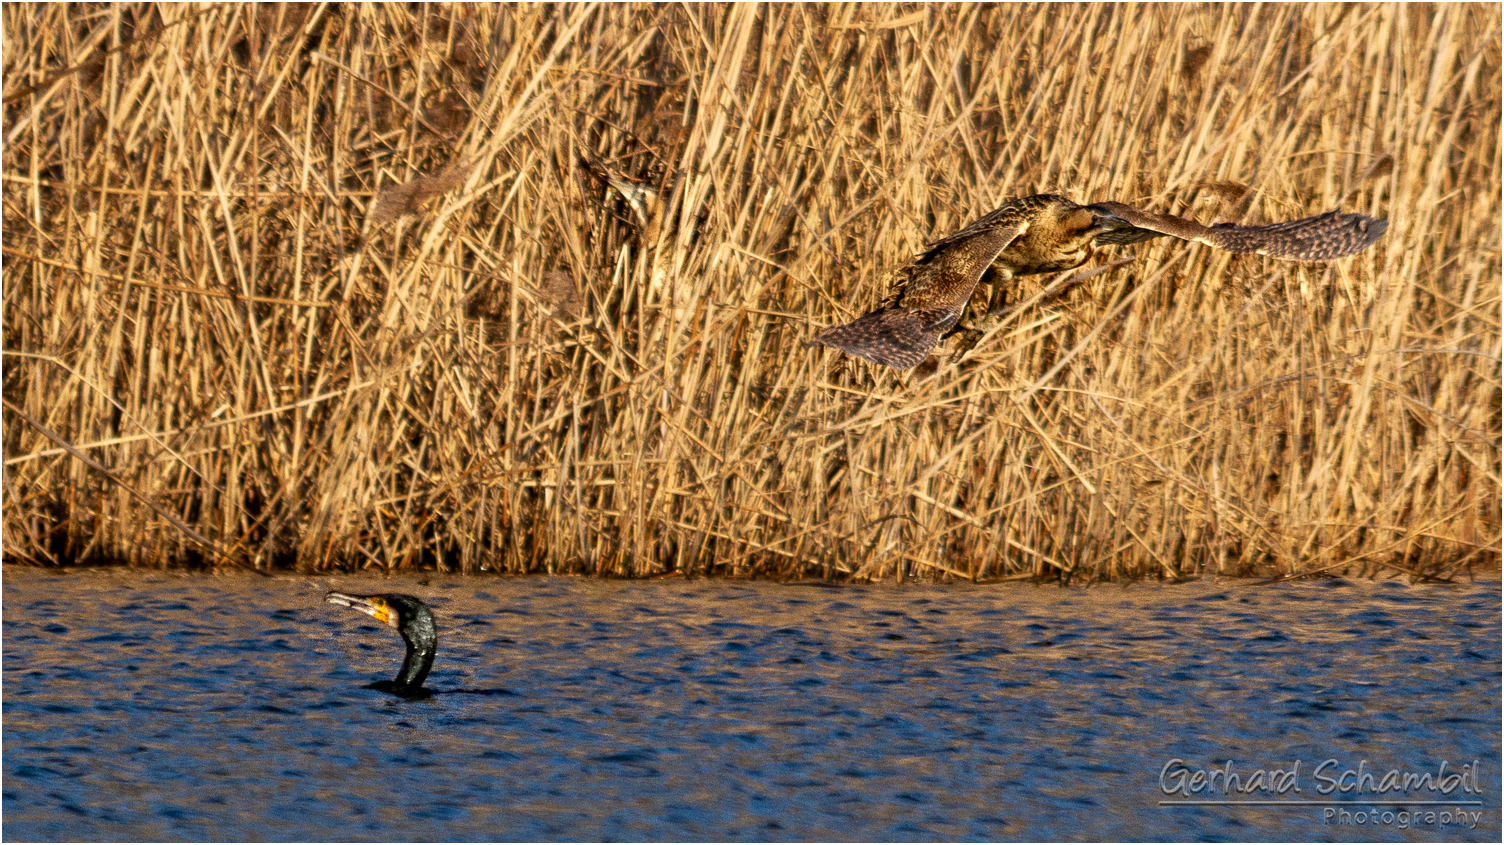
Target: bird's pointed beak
(369,605)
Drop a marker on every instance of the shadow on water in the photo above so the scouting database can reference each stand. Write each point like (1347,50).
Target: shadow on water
(142,706)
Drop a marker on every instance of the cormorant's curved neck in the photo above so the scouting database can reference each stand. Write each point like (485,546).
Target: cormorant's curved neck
(422,640)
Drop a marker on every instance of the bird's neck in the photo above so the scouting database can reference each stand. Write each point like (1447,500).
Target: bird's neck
(415,667)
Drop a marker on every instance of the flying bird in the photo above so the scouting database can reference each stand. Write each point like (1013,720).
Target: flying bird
(1047,233)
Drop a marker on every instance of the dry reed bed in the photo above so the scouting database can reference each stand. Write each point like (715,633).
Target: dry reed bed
(346,286)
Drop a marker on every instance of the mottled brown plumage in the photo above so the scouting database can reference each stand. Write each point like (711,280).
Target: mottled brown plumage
(1035,234)
(1047,233)
(927,300)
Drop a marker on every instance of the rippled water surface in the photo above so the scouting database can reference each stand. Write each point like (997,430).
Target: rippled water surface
(142,706)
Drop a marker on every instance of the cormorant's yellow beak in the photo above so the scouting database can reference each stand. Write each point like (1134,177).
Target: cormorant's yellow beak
(371,605)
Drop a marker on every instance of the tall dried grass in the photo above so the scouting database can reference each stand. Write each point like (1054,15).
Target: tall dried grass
(350,286)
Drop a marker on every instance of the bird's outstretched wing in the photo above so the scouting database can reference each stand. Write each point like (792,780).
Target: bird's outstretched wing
(1320,238)
(929,299)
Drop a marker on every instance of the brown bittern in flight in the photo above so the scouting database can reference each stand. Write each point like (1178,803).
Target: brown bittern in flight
(1045,233)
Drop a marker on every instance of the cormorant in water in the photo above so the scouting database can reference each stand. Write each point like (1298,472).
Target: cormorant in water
(414,621)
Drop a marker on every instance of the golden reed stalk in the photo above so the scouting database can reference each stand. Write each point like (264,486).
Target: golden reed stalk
(527,288)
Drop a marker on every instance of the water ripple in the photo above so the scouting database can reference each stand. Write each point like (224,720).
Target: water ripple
(153,707)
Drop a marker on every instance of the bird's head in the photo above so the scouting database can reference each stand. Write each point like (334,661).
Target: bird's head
(382,607)
(1078,224)
(1113,225)
(1061,234)
(408,614)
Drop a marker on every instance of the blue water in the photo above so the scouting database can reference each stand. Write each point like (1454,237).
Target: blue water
(153,707)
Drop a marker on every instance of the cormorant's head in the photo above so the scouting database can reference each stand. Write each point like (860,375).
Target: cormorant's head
(380,606)
(413,620)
